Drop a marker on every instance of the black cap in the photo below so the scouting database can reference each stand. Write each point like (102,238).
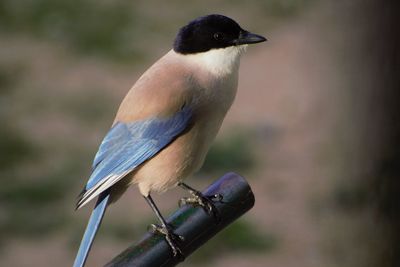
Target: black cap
(212,32)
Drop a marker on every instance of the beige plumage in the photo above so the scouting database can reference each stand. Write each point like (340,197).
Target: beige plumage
(204,82)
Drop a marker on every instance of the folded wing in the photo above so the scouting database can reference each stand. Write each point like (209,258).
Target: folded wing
(128,145)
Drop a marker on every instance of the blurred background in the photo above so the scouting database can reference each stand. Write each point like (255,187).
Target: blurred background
(314,129)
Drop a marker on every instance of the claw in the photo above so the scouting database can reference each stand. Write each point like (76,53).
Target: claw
(206,202)
(170,237)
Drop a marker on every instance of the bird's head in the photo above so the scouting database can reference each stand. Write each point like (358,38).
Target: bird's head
(212,32)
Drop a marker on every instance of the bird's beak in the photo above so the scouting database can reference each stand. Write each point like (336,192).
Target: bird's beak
(246,37)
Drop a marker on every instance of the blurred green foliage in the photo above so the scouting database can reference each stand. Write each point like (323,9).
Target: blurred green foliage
(282,8)
(112,29)
(93,27)
(240,236)
(31,206)
(14,147)
(9,76)
(350,196)
(233,152)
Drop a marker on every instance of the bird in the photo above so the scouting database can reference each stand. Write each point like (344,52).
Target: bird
(166,123)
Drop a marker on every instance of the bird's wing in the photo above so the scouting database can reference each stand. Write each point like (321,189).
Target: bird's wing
(127,145)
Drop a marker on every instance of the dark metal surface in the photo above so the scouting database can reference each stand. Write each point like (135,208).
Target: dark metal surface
(193,223)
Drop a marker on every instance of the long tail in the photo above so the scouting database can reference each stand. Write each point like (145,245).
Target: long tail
(91,229)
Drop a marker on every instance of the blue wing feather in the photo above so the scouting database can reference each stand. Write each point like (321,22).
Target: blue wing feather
(111,142)
(127,145)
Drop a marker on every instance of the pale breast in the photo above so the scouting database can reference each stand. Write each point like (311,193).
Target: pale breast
(186,154)
(209,97)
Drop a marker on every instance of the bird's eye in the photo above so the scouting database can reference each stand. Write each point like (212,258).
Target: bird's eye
(218,36)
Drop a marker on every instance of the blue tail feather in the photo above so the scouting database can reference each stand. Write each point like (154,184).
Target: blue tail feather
(91,229)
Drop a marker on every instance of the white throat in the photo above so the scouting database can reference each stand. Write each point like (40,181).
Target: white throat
(219,62)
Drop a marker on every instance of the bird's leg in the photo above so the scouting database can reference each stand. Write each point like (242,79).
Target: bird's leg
(165,229)
(198,199)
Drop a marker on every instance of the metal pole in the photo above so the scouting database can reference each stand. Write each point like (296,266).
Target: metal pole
(193,223)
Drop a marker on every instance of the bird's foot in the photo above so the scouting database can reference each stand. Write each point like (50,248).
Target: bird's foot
(171,238)
(206,202)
